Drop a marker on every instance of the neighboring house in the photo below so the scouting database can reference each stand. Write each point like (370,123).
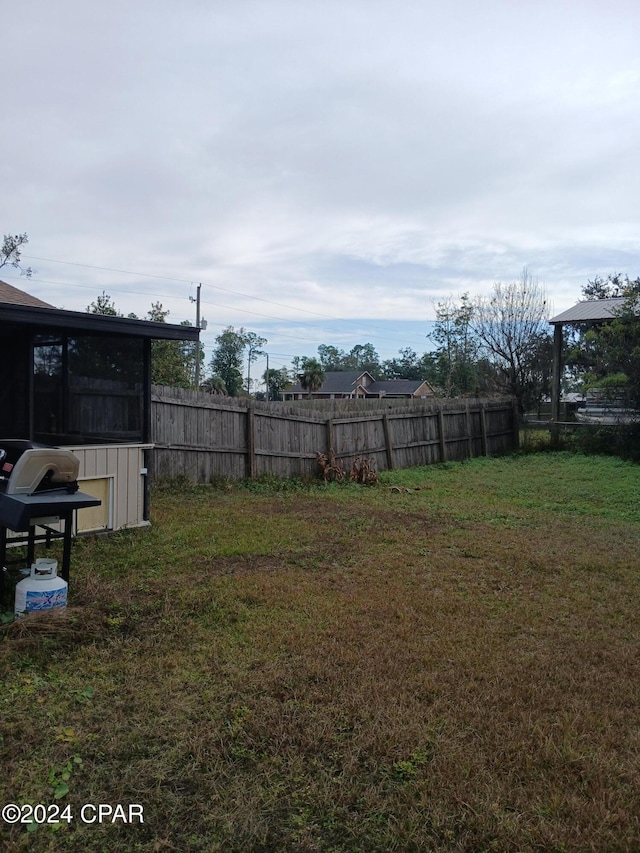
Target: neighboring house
(352,384)
(83,381)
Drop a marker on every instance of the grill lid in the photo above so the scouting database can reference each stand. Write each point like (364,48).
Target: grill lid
(27,467)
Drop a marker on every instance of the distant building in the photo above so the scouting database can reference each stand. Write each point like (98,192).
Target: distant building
(357,384)
(607,406)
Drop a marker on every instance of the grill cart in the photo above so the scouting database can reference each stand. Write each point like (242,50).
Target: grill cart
(38,488)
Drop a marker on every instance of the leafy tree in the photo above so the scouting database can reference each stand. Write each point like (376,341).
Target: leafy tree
(103,304)
(11,253)
(613,285)
(365,357)
(428,368)
(361,357)
(276,381)
(410,365)
(253,344)
(171,361)
(193,352)
(227,359)
(331,358)
(512,329)
(407,366)
(457,352)
(312,375)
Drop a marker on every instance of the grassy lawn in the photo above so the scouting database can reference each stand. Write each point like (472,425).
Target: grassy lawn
(451,664)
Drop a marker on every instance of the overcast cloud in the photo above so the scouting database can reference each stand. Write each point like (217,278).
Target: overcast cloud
(315,162)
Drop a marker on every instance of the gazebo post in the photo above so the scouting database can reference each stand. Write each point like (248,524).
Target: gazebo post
(555,382)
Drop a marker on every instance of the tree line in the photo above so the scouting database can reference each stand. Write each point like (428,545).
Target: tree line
(496,344)
(499,343)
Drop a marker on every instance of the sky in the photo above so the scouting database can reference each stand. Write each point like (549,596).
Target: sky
(328,171)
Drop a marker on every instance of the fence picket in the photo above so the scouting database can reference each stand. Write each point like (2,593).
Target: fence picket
(205,437)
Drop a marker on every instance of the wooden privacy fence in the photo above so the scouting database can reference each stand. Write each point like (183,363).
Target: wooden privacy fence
(205,437)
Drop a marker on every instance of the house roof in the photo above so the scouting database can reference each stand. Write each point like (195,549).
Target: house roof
(346,382)
(335,382)
(396,386)
(591,310)
(14,296)
(18,308)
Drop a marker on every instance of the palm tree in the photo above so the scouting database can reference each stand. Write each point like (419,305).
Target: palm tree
(214,385)
(312,376)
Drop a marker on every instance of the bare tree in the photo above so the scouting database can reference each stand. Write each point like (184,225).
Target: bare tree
(512,328)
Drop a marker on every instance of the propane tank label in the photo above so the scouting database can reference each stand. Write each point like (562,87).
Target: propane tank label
(37,599)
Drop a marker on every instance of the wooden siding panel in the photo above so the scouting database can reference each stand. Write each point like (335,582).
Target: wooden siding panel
(123,463)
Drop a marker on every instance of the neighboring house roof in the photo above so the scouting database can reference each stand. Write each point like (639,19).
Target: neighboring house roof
(350,381)
(390,387)
(11,294)
(18,308)
(337,382)
(591,309)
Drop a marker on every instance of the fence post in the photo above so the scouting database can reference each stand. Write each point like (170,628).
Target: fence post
(467,426)
(441,438)
(387,441)
(251,442)
(516,426)
(330,448)
(483,427)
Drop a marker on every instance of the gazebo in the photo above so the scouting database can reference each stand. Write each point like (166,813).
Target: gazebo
(589,311)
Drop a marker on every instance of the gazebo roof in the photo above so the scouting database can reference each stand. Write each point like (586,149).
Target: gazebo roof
(591,310)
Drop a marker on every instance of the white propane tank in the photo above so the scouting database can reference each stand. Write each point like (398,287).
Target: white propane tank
(42,590)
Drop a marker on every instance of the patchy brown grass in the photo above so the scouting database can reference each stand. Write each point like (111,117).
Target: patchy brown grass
(452,666)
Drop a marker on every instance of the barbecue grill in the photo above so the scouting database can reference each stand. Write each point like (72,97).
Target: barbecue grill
(38,488)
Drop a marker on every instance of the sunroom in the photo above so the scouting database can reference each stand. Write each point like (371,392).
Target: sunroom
(83,381)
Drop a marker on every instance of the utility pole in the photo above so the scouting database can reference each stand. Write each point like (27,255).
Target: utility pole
(199,325)
(267,380)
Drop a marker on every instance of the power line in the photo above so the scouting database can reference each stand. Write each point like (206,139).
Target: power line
(282,334)
(184,281)
(213,287)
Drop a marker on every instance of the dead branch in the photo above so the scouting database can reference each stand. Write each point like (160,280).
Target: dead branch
(331,467)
